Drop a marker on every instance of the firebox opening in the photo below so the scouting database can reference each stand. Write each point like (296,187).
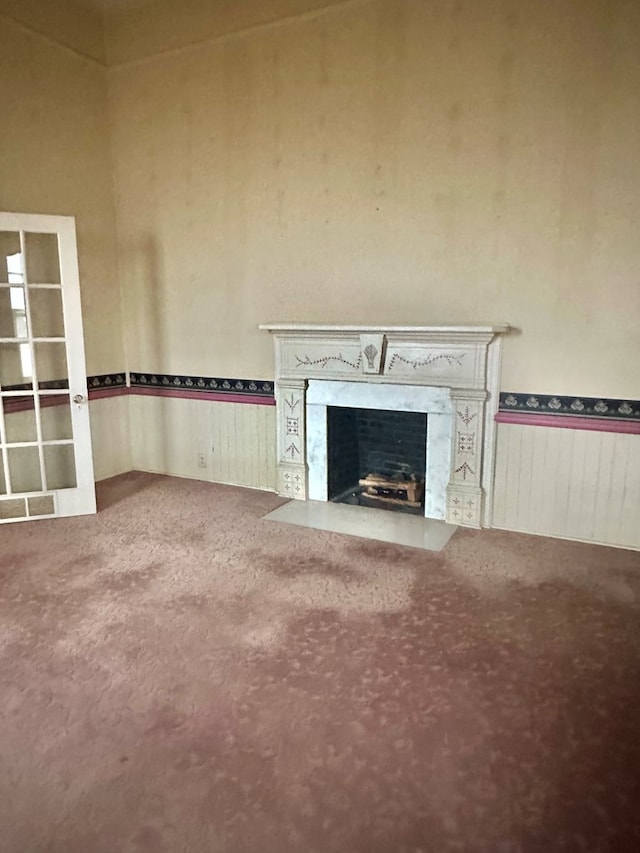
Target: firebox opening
(377,458)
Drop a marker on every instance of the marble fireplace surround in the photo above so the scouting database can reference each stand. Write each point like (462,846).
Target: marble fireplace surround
(449,372)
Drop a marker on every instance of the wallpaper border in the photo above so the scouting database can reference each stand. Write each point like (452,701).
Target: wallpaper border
(558,405)
(218,389)
(599,414)
(604,414)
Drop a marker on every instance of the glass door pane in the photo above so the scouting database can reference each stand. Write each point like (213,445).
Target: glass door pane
(45,308)
(10,257)
(16,368)
(13,312)
(24,465)
(20,419)
(55,417)
(51,365)
(43,262)
(60,466)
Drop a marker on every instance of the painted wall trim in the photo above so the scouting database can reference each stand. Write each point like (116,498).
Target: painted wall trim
(569,422)
(216,396)
(102,393)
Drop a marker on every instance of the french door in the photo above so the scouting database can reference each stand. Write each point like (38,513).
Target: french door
(46,467)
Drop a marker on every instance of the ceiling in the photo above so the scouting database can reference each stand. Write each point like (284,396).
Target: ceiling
(113,5)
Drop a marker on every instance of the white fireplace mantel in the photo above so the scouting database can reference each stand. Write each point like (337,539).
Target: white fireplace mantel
(463,361)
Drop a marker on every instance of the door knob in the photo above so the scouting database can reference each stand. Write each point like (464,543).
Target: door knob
(79,398)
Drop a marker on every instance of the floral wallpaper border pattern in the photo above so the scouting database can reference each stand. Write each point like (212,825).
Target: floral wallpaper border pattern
(547,404)
(107,380)
(250,387)
(587,407)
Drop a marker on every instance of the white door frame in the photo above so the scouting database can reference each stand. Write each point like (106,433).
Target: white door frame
(79,500)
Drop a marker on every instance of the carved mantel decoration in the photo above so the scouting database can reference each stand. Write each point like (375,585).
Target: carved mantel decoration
(461,362)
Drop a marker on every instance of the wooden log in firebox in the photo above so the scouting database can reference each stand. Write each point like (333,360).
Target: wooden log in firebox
(386,490)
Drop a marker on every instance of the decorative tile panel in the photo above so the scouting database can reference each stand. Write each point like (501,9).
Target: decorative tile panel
(467,461)
(435,364)
(373,350)
(291,481)
(292,474)
(310,357)
(464,506)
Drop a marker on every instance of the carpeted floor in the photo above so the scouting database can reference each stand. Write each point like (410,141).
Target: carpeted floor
(180,676)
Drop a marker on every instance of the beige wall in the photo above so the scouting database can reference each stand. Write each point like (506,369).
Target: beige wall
(55,158)
(385,161)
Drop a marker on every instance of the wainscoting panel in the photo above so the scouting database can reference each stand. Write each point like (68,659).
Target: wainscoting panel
(220,442)
(568,483)
(110,436)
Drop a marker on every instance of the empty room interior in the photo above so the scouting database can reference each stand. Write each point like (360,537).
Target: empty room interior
(319,426)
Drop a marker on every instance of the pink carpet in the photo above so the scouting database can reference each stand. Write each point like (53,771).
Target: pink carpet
(179,676)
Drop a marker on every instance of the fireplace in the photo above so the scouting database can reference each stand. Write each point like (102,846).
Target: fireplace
(431,404)
(447,375)
(377,458)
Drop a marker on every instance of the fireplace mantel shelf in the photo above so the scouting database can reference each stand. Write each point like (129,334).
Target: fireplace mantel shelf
(319,328)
